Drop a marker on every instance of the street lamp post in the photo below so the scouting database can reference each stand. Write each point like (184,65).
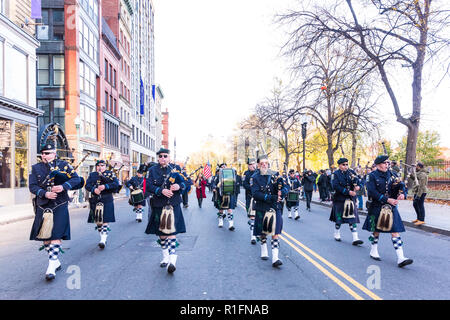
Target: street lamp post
(304,144)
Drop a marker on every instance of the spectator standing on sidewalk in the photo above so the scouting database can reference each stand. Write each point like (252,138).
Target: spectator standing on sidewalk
(420,192)
(362,191)
(308,187)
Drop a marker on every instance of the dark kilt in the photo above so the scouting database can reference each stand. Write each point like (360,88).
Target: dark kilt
(108,212)
(338,209)
(61,222)
(153,222)
(259,215)
(233,202)
(372,219)
(290,204)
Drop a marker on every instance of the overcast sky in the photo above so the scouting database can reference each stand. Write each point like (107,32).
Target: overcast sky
(215,60)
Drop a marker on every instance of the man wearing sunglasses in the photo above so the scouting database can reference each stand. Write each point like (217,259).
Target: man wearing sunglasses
(53,199)
(165,185)
(344,183)
(383,189)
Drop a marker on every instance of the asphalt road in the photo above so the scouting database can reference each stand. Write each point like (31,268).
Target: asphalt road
(216,263)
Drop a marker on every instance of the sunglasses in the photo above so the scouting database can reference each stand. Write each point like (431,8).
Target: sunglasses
(47,153)
(102,165)
(163,155)
(345,164)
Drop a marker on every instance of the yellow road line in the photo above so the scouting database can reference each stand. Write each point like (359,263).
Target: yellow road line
(325,271)
(330,265)
(336,269)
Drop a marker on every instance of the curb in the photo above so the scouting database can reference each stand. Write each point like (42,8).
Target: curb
(406,223)
(31,215)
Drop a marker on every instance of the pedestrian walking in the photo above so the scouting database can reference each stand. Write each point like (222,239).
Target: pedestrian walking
(420,190)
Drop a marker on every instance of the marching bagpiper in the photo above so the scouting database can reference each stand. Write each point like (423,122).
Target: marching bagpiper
(268,190)
(248,197)
(385,189)
(292,200)
(344,183)
(137,187)
(102,184)
(166,220)
(225,200)
(49,182)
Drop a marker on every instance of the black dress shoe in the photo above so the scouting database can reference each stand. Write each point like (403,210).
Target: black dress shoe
(277,263)
(163,264)
(49,277)
(253,242)
(101,245)
(297,217)
(231,228)
(375,258)
(265,258)
(171,268)
(405,263)
(357,242)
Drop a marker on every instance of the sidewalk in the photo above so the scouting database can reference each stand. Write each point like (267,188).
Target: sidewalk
(437,216)
(19,212)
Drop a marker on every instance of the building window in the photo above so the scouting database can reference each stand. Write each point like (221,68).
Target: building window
(50,70)
(88,78)
(43,70)
(5,153)
(16,65)
(1,66)
(111,134)
(21,153)
(106,100)
(58,70)
(88,119)
(54,111)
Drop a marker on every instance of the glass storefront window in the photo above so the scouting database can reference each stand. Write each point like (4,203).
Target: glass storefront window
(5,153)
(59,112)
(21,166)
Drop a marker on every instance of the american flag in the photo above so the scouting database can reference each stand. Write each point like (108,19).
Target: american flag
(207,171)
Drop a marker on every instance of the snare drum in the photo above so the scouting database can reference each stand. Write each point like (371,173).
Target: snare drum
(292,196)
(227,180)
(136,196)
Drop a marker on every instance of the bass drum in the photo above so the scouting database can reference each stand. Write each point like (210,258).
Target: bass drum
(227,180)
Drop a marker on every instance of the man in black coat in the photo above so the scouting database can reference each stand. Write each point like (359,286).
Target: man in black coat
(308,187)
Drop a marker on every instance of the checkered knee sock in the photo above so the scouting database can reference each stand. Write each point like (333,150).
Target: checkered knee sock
(230,216)
(105,230)
(53,251)
(373,239)
(275,243)
(397,242)
(353,227)
(337,226)
(163,243)
(263,240)
(172,244)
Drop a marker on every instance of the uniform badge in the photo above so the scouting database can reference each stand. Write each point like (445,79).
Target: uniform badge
(172,180)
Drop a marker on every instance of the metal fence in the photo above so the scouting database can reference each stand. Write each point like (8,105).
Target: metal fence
(439,171)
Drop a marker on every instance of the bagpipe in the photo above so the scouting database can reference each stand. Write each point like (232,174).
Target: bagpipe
(59,176)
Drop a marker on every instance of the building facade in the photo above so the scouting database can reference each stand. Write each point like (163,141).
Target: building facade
(118,15)
(165,129)
(143,90)
(159,116)
(18,112)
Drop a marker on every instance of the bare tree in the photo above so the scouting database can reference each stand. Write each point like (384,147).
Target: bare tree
(388,33)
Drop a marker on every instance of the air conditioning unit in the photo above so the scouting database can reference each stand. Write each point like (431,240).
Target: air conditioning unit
(42,32)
